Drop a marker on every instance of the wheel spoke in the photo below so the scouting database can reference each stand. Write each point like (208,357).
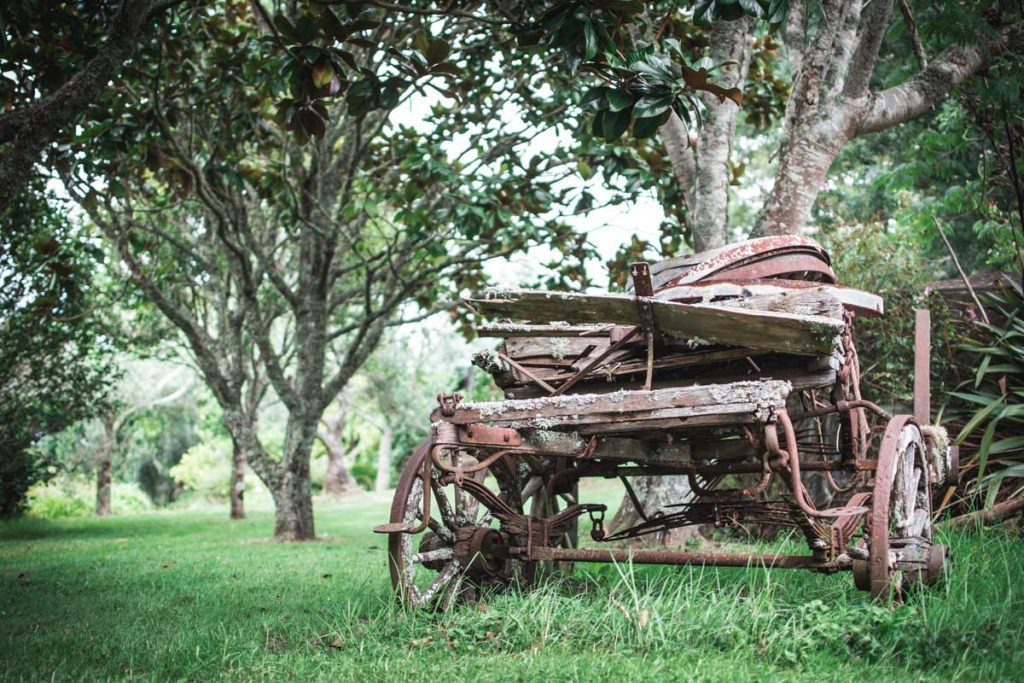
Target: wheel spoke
(460,509)
(433,555)
(442,531)
(443,577)
(443,505)
(533,485)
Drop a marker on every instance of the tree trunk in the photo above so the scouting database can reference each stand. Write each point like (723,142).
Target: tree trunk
(338,480)
(104,465)
(383,481)
(731,43)
(288,478)
(237,493)
(654,494)
(103,468)
(293,505)
(681,156)
(291,485)
(804,160)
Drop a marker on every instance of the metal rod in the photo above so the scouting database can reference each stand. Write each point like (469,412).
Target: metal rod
(673,558)
(843,406)
(793,456)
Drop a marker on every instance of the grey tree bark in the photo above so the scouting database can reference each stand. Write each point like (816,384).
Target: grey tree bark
(731,44)
(105,464)
(700,159)
(237,491)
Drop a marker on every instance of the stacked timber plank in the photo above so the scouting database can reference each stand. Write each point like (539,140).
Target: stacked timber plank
(763,309)
(631,411)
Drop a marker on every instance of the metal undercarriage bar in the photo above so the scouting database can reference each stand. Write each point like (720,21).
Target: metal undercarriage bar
(544,554)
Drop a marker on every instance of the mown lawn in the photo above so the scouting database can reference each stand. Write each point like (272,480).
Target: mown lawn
(190,595)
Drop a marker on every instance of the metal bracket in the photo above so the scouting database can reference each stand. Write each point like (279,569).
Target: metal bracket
(481,435)
(448,403)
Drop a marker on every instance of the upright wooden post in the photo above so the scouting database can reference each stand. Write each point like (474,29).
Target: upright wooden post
(922,367)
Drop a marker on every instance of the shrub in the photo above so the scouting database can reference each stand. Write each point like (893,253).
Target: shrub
(887,262)
(205,469)
(75,496)
(986,412)
(56,500)
(204,472)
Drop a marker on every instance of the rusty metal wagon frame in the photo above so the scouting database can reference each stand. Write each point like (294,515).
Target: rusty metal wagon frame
(735,368)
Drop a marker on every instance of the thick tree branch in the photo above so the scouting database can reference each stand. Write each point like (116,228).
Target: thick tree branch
(795,36)
(29,131)
(924,90)
(873,24)
(680,155)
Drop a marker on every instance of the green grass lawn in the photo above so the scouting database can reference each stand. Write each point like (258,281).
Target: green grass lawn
(190,595)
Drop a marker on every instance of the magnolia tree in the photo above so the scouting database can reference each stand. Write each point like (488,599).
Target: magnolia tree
(282,220)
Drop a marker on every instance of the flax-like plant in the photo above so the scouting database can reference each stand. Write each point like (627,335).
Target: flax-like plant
(988,407)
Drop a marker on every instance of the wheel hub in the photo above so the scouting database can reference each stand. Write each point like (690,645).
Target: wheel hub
(486,550)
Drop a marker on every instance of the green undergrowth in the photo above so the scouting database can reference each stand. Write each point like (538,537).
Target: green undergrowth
(190,595)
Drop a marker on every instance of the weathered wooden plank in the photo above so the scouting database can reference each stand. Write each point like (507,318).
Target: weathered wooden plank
(748,400)
(556,348)
(678,419)
(799,379)
(641,451)
(630,362)
(789,333)
(512,330)
(754,296)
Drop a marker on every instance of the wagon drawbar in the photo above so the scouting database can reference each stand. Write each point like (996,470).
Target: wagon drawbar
(735,368)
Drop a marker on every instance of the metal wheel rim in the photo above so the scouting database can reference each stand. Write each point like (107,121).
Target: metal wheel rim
(449,583)
(900,499)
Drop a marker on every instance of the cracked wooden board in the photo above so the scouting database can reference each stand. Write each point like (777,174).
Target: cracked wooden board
(772,295)
(735,403)
(754,329)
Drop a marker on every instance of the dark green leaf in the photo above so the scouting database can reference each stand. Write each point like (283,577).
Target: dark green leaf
(646,127)
(591,43)
(651,106)
(615,124)
(437,51)
(618,99)
(595,98)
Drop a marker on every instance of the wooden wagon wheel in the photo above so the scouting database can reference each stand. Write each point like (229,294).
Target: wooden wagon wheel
(900,511)
(424,569)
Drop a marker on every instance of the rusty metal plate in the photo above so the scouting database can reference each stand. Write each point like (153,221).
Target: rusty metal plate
(482,435)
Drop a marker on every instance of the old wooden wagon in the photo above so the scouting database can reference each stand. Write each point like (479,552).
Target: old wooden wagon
(735,368)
